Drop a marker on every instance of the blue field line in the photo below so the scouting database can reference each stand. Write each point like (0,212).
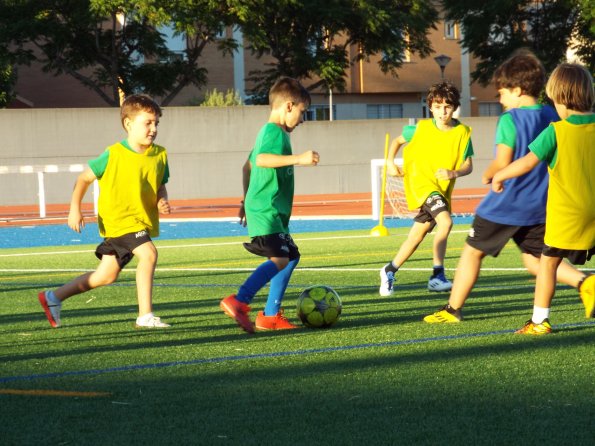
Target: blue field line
(128,368)
(60,235)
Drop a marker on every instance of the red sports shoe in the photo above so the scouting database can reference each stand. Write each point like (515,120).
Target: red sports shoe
(277,322)
(238,311)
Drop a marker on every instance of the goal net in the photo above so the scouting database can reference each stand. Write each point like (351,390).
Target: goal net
(395,204)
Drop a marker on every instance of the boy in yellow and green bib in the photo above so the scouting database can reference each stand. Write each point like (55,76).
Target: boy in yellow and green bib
(132,175)
(438,151)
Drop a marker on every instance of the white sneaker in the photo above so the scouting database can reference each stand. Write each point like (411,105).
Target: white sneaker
(439,283)
(386,282)
(52,310)
(151,322)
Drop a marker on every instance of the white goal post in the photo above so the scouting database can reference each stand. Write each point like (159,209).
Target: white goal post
(394,191)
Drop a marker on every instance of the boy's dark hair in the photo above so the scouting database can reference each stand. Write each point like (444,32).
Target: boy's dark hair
(136,103)
(572,86)
(524,70)
(444,91)
(288,89)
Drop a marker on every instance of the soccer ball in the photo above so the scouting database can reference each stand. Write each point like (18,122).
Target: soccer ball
(319,306)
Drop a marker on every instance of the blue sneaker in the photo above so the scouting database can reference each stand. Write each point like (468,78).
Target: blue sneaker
(439,283)
(386,282)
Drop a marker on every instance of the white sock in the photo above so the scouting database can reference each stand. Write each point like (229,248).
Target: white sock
(144,317)
(540,314)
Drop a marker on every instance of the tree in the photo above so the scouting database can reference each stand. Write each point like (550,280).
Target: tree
(7,81)
(115,47)
(308,38)
(494,30)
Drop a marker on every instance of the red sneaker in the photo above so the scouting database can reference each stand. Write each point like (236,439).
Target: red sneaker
(277,322)
(239,311)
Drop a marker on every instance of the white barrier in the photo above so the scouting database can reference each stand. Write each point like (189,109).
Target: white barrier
(41,170)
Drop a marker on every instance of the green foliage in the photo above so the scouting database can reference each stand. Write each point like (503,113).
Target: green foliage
(7,81)
(307,38)
(494,30)
(215,98)
(115,45)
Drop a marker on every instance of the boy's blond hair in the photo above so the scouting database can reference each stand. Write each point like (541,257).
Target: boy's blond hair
(571,85)
(288,89)
(137,103)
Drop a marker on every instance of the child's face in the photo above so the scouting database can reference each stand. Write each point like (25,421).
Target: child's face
(510,97)
(294,115)
(142,129)
(442,112)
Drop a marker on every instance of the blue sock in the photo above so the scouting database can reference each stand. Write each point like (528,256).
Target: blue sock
(278,286)
(259,278)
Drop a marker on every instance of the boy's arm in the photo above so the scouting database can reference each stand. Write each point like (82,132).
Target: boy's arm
(504,156)
(391,168)
(309,158)
(246,171)
(76,222)
(513,170)
(162,200)
(447,174)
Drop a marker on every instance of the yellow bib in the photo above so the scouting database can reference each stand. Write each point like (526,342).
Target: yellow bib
(570,214)
(429,150)
(128,191)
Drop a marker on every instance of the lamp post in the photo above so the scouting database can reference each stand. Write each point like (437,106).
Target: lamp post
(442,62)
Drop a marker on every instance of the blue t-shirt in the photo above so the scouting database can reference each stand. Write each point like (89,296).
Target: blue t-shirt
(522,203)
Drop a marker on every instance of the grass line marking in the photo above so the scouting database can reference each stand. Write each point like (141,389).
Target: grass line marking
(222,359)
(66,393)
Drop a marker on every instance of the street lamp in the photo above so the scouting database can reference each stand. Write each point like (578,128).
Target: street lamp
(442,62)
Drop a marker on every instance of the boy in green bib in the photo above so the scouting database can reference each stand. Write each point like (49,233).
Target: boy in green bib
(266,209)
(132,175)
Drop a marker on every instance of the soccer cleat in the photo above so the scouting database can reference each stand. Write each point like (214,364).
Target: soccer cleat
(531,328)
(444,316)
(277,322)
(386,282)
(439,283)
(52,311)
(239,311)
(152,322)
(587,293)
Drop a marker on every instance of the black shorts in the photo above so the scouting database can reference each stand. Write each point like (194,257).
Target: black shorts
(434,205)
(574,256)
(490,237)
(273,245)
(122,246)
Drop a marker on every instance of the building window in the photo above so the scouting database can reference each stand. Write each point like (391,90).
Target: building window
(450,30)
(490,109)
(319,113)
(384,111)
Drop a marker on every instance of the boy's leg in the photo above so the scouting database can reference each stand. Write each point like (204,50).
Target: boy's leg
(145,274)
(438,281)
(387,273)
(465,278)
(545,288)
(107,272)
(272,317)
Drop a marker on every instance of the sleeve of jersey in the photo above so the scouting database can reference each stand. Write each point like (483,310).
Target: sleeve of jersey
(544,146)
(408,132)
(165,173)
(272,141)
(468,153)
(506,131)
(99,164)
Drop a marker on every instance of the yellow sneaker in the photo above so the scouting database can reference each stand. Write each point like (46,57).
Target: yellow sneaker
(445,315)
(587,293)
(531,328)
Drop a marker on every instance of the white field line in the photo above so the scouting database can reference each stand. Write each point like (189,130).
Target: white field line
(195,245)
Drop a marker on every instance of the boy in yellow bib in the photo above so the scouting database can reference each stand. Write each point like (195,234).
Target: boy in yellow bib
(132,176)
(568,147)
(438,151)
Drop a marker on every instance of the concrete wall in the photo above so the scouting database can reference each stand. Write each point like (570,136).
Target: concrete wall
(207,148)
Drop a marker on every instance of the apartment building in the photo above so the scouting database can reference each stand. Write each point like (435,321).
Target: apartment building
(370,93)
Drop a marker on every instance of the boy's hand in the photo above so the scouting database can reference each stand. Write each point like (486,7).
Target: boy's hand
(393,170)
(309,158)
(76,222)
(485,179)
(163,206)
(497,186)
(242,214)
(446,174)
